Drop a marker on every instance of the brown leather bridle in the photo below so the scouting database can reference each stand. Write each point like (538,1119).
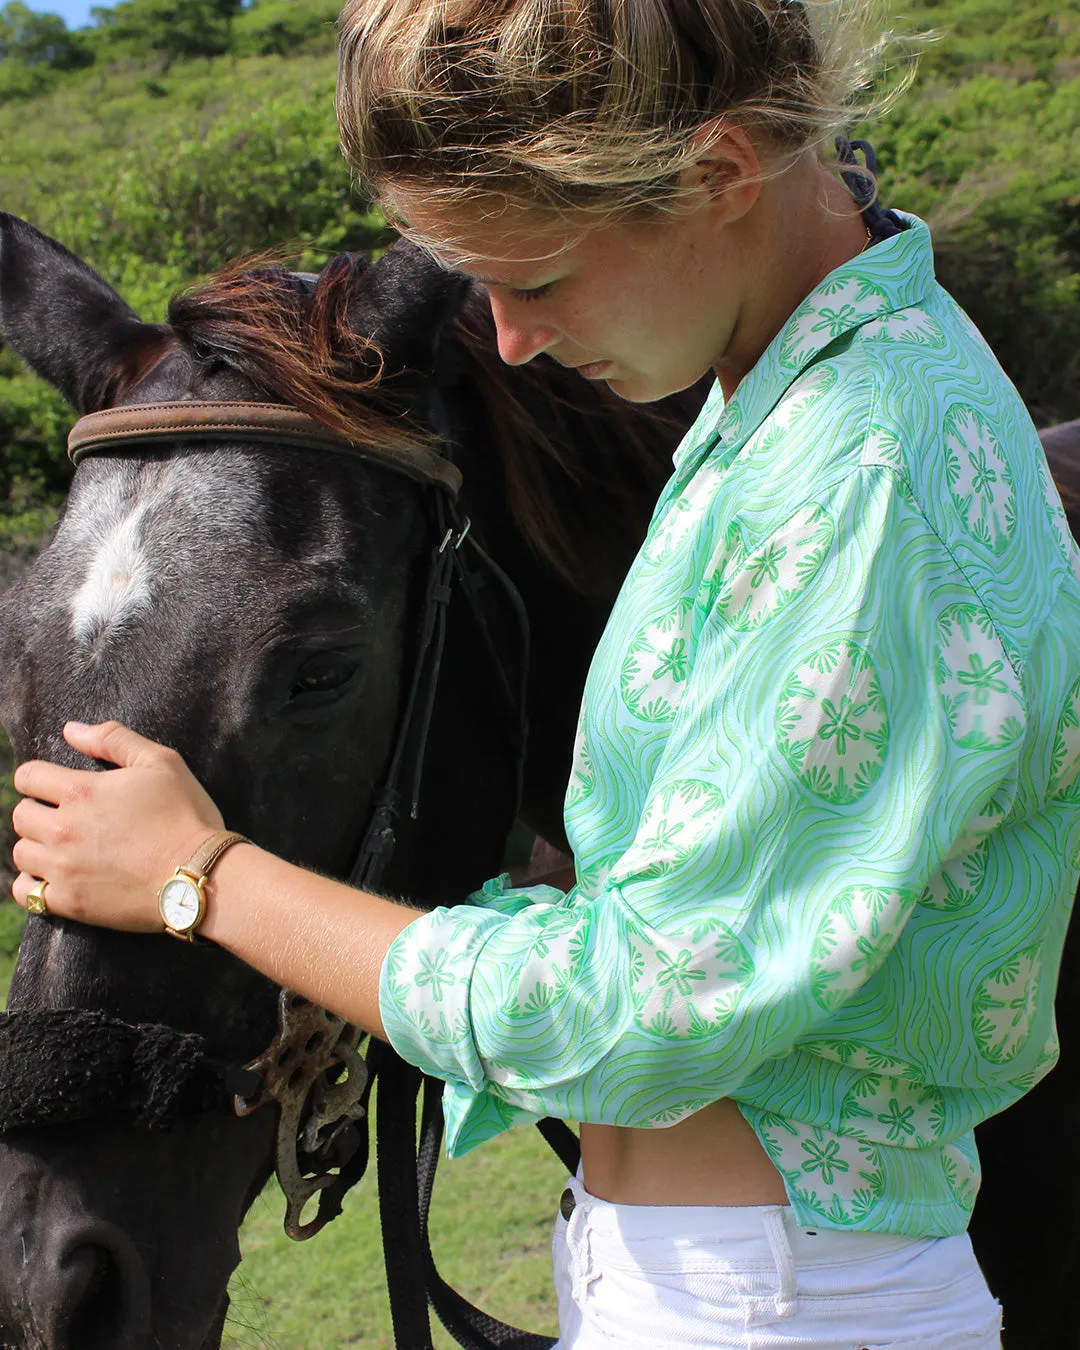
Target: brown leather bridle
(210,420)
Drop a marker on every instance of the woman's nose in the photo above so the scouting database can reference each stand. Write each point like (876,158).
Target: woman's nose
(520,338)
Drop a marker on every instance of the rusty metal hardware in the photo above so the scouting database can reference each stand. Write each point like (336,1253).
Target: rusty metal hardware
(315,1073)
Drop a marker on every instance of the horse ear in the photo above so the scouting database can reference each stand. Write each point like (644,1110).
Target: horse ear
(402,304)
(68,324)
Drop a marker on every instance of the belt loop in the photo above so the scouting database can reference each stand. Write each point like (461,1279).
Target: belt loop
(583,1272)
(787,1295)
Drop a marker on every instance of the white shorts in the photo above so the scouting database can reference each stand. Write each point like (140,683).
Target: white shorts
(637,1277)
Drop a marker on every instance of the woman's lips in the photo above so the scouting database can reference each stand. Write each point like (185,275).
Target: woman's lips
(593,370)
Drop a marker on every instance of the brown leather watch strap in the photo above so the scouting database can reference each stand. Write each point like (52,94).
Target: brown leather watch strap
(207,854)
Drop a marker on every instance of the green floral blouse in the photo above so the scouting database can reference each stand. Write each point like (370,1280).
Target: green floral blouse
(825,802)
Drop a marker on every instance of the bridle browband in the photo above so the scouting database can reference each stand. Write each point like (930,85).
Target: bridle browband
(319,1149)
(210,420)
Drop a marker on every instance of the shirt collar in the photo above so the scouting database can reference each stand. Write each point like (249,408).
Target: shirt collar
(891,276)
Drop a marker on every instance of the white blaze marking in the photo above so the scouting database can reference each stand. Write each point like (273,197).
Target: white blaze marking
(117,585)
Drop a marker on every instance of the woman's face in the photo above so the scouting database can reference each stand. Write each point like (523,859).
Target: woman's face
(646,307)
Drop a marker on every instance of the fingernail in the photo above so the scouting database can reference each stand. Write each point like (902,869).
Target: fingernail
(76,726)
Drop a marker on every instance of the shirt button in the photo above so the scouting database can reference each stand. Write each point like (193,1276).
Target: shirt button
(567,1203)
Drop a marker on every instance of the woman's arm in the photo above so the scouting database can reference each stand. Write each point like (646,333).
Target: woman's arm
(305,931)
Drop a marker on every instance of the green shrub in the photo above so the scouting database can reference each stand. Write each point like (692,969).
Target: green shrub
(285,27)
(994,165)
(22,82)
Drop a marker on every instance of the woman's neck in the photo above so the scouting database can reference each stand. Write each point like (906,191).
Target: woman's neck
(803,226)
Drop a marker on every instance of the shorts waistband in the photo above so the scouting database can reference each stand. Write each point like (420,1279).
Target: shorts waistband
(747,1232)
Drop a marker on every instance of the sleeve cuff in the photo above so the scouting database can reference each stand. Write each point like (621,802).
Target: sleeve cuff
(424,991)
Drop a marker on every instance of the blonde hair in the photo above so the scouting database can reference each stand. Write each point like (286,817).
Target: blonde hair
(594,106)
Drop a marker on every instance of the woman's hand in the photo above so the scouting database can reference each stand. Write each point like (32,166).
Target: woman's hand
(105,842)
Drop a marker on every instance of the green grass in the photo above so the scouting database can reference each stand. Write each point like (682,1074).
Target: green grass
(491,1229)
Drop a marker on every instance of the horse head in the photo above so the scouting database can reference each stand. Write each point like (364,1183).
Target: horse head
(254,614)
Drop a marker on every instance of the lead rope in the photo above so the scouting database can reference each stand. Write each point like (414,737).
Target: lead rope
(470,1326)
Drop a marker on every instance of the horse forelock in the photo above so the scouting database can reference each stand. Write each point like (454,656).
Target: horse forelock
(293,340)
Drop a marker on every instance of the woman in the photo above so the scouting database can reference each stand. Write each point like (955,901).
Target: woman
(824,800)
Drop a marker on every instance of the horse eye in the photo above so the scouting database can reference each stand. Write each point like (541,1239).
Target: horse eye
(322,676)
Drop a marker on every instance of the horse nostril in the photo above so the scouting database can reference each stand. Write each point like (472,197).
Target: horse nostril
(97,1313)
(86,1287)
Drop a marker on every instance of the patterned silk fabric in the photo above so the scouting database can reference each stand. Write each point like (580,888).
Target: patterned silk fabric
(825,803)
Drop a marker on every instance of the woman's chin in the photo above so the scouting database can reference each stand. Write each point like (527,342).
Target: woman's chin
(638,388)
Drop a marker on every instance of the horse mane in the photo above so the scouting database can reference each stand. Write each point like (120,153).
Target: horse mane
(565,446)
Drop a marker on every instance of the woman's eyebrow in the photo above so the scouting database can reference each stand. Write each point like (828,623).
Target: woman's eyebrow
(462,269)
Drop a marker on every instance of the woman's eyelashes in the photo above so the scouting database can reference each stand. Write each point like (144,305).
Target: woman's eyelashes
(536,293)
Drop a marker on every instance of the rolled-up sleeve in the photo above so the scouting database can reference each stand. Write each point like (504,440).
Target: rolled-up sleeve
(848,721)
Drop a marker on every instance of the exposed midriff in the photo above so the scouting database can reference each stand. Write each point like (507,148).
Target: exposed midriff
(711,1158)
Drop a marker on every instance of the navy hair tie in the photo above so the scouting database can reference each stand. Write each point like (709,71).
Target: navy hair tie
(861,182)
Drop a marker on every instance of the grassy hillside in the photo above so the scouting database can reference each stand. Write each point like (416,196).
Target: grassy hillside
(158,178)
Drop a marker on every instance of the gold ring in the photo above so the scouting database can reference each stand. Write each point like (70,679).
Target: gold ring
(35,899)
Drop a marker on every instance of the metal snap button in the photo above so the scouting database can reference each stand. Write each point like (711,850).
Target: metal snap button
(567,1203)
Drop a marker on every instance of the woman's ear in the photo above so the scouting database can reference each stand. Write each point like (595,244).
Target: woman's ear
(68,324)
(727,169)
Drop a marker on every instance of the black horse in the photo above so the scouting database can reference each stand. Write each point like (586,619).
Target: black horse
(255,606)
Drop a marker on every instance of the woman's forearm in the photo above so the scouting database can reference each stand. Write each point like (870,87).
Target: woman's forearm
(304,931)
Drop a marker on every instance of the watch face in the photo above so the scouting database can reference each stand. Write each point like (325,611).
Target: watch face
(180,903)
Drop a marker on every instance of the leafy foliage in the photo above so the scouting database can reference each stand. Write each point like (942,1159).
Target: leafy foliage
(986,148)
(175,30)
(28,38)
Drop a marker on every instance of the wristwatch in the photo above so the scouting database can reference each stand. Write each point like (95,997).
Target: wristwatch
(182,900)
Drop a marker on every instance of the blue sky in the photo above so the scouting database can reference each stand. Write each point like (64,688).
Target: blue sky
(76,13)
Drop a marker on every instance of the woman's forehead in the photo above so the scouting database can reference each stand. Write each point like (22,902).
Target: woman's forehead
(487,237)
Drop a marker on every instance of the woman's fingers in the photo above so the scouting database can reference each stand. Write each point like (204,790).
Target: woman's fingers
(21,886)
(106,841)
(53,783)
(33,820)
(57,901)
(114,743)
(30,857)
